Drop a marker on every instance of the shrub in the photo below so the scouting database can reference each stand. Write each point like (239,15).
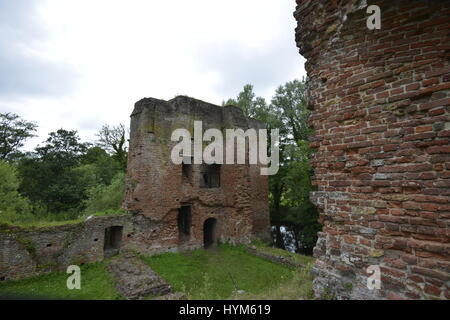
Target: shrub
(13,207)
(107,198)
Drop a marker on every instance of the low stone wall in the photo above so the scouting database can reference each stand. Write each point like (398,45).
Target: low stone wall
(29,252)
(274,258)
(33,251)
(135,280)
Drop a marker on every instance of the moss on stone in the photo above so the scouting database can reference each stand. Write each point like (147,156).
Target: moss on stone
(348,286)
(376,253)
(27,244)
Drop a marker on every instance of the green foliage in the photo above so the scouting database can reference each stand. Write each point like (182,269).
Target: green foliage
(208,274)
(299,287)
(105,166)
(290,187)
(96,284)
(13,206)
(106,197)
(13,133)
(27,243)
(61,176)
(49,176)
(289,103)
(114,140)
(251,105)
(327,294)
(65,175)
(62,147)
(348,286)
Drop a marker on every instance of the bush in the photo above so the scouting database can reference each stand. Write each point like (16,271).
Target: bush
(106,198)
(13,207)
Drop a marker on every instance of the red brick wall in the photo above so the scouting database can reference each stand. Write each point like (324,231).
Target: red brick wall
(155,188)
(381,115)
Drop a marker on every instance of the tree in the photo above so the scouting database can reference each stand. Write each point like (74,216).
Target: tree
(49,175)
(252,106)
(13,133)
(105,167)
(13,207)
(113,139)
(289,102)
(103,198)
(294,208)
(289,189)
(63,146)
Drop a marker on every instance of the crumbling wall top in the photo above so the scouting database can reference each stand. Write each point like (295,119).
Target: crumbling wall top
(200,110)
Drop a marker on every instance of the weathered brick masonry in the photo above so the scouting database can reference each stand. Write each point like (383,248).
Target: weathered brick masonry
(28,252)
(161,192)
(381,115)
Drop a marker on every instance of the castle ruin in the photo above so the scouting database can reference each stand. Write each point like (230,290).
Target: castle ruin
(170,207)
(190,204)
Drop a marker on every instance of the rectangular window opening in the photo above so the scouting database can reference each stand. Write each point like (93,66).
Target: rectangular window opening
(113,240)
(184,222)
(210,176)
(186,169)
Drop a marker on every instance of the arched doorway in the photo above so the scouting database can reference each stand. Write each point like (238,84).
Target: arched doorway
(209,232)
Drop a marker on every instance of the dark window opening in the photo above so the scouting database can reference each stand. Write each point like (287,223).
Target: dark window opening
(113,240)
(186,168)
(210,176)
(209,233)
(2,278)
(184,222)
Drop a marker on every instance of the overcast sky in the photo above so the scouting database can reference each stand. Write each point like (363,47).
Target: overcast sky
(79,64)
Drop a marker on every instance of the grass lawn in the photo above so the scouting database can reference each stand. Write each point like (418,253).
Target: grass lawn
(96,284)
(218,273)
(51,220)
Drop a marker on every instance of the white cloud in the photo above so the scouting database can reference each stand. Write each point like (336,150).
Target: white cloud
(120,51)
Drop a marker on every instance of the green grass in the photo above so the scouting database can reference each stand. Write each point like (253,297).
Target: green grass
(216,274)
(52,221)
(38,224)
(299,287)
(96,284)
(201,274)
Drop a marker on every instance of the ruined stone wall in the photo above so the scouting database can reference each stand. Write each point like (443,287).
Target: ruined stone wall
(28,252)
(156,189)
(380,103)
